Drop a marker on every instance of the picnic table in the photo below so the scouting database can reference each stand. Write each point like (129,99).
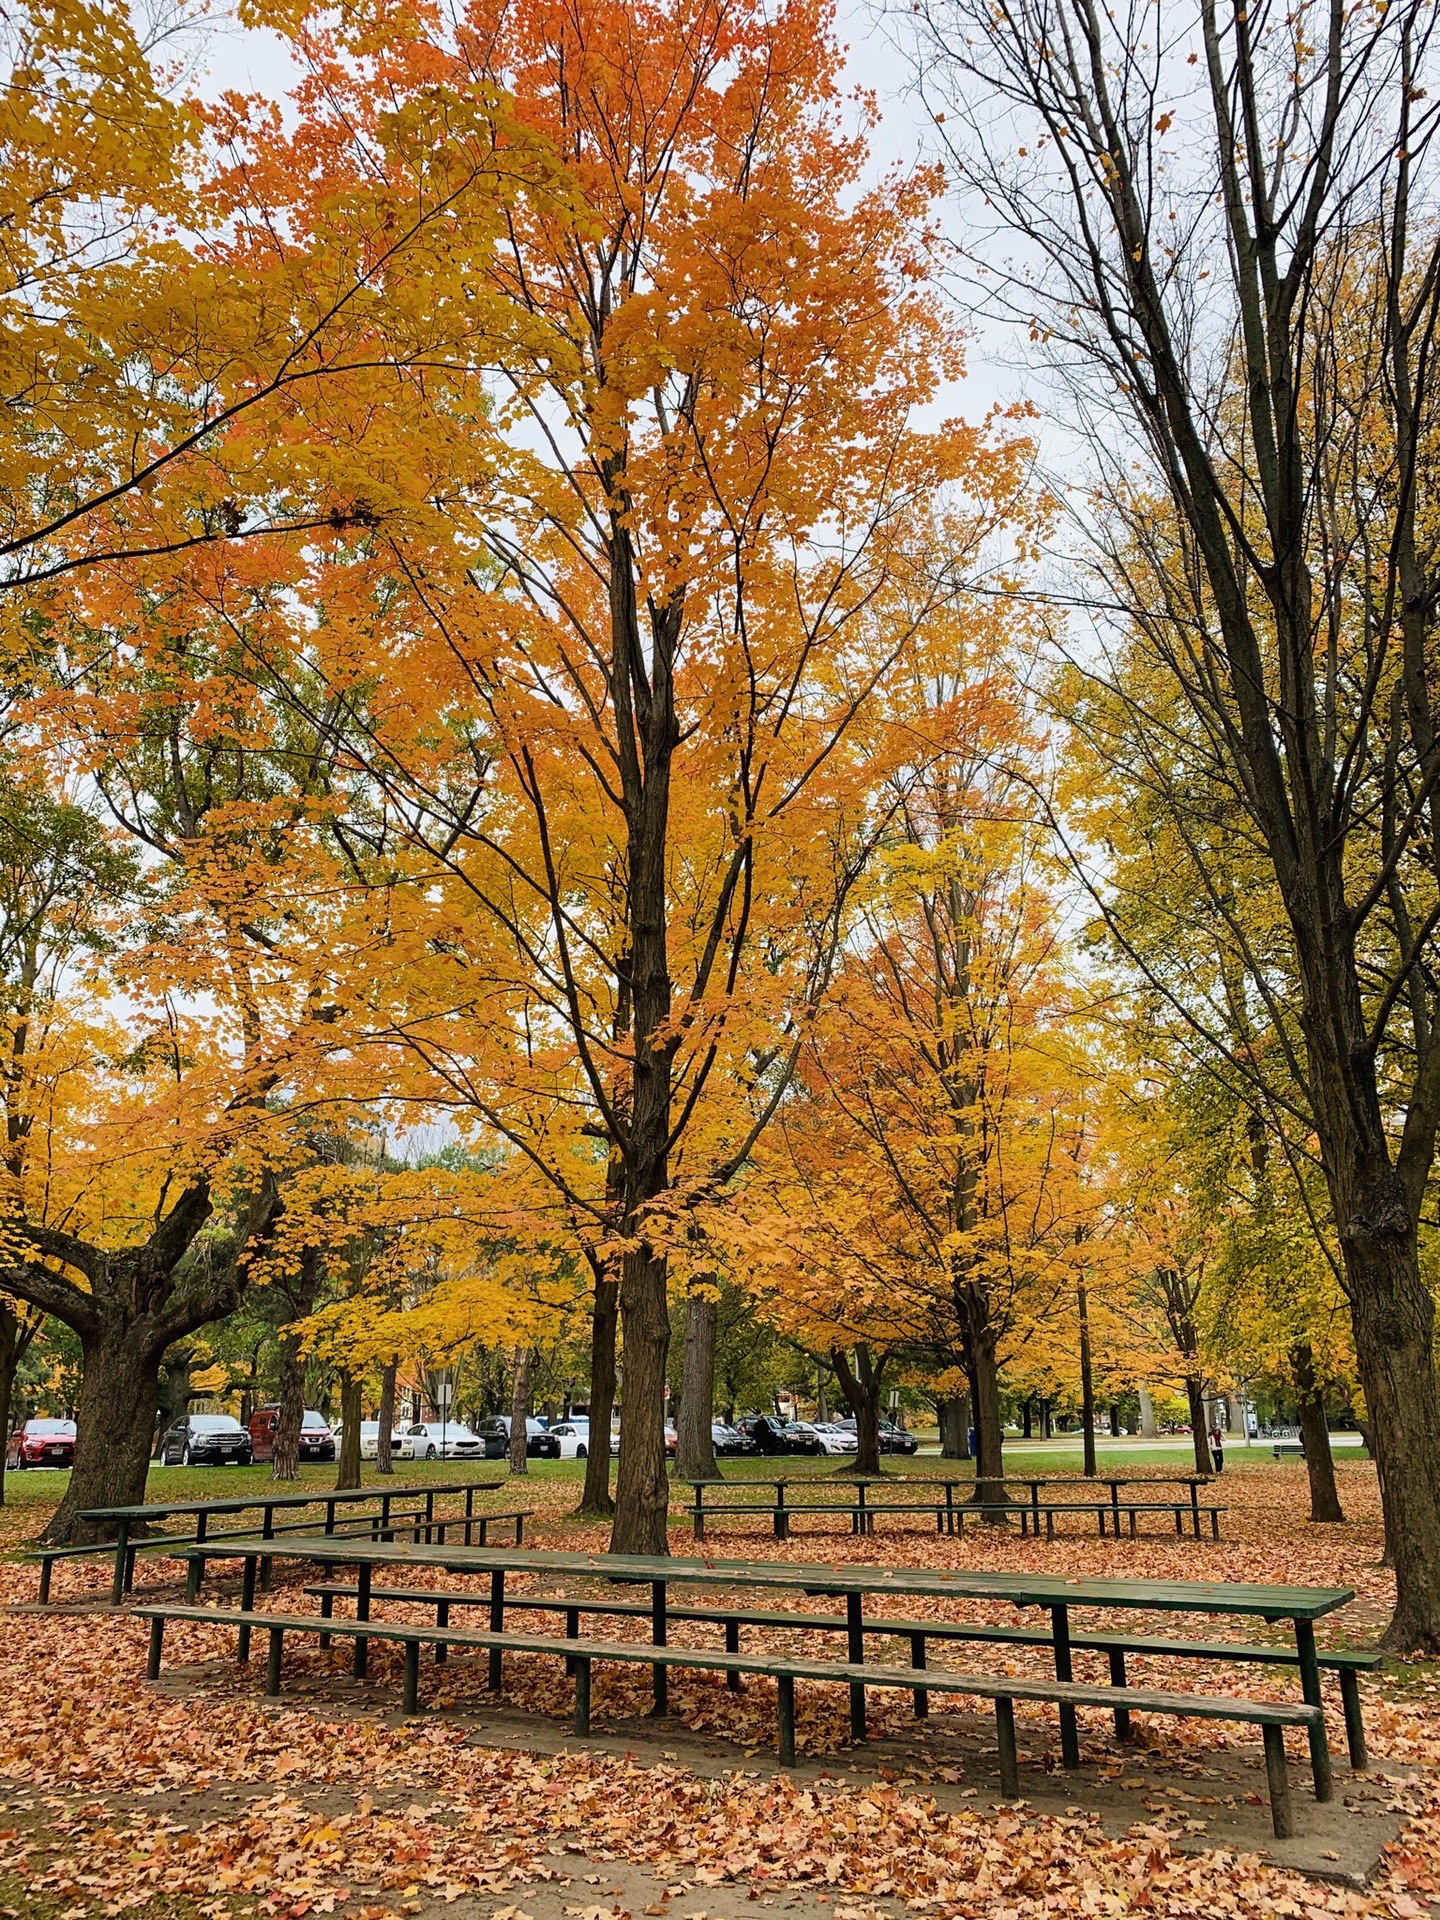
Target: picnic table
(1057,1595)
(126,1519)
(949,1514)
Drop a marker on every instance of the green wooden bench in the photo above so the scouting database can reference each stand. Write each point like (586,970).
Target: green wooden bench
(950,1515)
(350,1526)
(580,1655)
(1346,1663)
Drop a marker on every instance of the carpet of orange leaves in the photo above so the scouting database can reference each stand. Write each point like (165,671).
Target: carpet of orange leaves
(303,1810)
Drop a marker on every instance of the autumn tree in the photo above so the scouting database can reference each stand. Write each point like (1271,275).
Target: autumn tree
(615,699)
(1239,243)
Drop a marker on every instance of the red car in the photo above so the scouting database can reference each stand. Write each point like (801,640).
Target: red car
(42,1443)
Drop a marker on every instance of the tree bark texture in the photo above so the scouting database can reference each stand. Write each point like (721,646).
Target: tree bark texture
(1087,1385)
(114,1425)
(604,1318)
(18,1327)
(384,1449)
(862,1385)
(347,1461)
(302,1294)
(520,1409)
(1315,1435)
(954,1414)
(978,1334)
(1195,1395)
(695,1448)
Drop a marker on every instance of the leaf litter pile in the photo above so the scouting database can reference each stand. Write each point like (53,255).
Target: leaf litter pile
(116,1797)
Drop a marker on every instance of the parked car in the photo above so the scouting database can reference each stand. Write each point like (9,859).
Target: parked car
(574,1438)
(893,1439)
(801,1437)
(402,1447)
(836,1439)
(42,1443)
(730,1440)
(317,1442)
(206,1440)
(540,1441)
(764,1431)
(444,1440)
(672,1442)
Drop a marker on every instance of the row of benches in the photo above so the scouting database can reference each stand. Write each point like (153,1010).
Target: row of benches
(580,1655)
(416,1521)
(950,1515)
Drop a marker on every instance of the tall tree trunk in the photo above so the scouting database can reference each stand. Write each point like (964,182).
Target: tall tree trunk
(1027,1417)
(520,1409)
(1115,1420)
(18,1327)
(384,1449)
(642,1489)
(114,1425)
(1046,1428)
(978,1337)
(1147,1415)
(862,1386)
(1315,1435)
(347,1464)
(954,1414)
(695,1449)
(302,1294)
(1195,1394)
(604,1314)
(1087,1386)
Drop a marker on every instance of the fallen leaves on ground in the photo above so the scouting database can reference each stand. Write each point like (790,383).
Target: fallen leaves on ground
(293,1808)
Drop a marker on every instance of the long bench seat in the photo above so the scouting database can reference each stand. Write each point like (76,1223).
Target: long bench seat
(950,1516)
(1347,1663)
(579,1655)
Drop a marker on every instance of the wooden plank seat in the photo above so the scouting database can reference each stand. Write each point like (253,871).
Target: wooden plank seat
(1346,1663)
(579,1655)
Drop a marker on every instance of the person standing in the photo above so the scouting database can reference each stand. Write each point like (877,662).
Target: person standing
(1217,1447)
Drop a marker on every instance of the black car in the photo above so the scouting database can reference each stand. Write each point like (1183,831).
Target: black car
(540,1443)
(771,1435)
(730,1440)
(206,1440)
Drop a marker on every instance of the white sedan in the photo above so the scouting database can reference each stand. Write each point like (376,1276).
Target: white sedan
(574,1438)
(835,1439)
(402,1447)
(448,1440)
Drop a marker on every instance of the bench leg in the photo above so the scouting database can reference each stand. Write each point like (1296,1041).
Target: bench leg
(194,1574)
(582,1693)
(157,1642)
(327,1611)
(46,1569)
(412,1677)
(361,1658)
(1049,1526)
(785,1714)
(1005,1741)
(1117,1679)
(519,1529)
(1279,1779)
(442,1619)
(247,1605)
(272,1661)
(497,1625)
(1354,1720)
(1214,1523)
(1132,1523)
(732,1645)
(855,1654)
(130,1553)
(1310,1689)
(917,1659)
(659,1634)
(1179,1523)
